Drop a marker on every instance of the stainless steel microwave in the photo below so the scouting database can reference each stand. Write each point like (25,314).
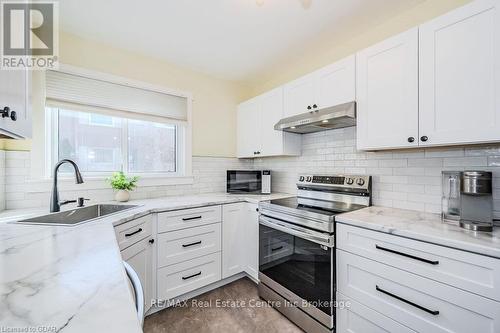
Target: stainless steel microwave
(249,181)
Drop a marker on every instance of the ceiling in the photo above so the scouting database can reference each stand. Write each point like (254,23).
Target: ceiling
(235,40)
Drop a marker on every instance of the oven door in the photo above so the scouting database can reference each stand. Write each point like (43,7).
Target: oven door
(244,181)
(298,263)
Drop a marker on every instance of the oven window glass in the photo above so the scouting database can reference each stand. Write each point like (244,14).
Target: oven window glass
(299,265)
(244,181)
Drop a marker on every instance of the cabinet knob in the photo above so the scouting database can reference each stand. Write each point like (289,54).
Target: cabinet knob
(309,107)
(13,115)
(411,139)
(424,138)
(151,241)
(315,106)
(5,112)
(256,209)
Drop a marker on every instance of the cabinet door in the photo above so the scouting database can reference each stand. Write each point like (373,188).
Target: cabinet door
(299,96)
(14,92)
(387,93)
(336,83)
(251,219)
(248,128)
(459,76)
(140,257)
(233,239)
(272,112)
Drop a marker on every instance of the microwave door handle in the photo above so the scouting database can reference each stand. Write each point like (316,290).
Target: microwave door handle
(327,241)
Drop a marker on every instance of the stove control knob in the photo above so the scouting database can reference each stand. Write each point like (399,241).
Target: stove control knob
(349,181)
(308,179)
(301,179)
(360,182)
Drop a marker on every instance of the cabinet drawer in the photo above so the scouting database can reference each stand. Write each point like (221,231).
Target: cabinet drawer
(468,271)
(187,276)
(354,317)
(421,304)
(186,244)
(133,231)
(187,218)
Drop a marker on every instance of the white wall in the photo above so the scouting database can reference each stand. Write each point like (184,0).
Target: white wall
(408,179)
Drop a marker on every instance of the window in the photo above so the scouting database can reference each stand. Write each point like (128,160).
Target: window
(102,144)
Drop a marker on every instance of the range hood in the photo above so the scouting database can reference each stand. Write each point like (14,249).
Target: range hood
(339,116)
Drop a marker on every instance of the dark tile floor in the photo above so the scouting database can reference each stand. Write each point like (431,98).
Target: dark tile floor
(209,316)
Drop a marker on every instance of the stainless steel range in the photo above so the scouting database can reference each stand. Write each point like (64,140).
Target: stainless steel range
(297,247)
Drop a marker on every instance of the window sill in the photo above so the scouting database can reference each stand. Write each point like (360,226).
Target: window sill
(98,183)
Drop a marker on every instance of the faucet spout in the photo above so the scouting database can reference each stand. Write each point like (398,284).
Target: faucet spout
(55,205)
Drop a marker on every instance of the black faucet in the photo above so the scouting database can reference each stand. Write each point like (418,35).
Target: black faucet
(55,205)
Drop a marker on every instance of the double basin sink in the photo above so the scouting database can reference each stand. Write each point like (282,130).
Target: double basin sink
(77,216)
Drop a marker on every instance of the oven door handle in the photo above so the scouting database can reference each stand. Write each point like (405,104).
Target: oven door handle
(313,236)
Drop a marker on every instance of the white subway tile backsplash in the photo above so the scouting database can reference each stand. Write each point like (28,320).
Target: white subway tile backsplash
(406,178)
(473,161)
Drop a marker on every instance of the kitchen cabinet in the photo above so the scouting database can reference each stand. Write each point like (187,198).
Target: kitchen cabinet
(15,121)
(233,239)
(240,240)
(140,257)
(425,287)
(251,220)
(328,86)
(460,76)
(299,96)
(435,85)
(248,128)
(387,93)
(256,136)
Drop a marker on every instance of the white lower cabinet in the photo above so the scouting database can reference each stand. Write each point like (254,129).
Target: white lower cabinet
(410,293)
(140,257)
(233,239)
(240,239)
(197,247)
(251,220)
(186,276)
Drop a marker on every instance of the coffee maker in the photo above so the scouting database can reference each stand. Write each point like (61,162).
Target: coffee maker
(467,198)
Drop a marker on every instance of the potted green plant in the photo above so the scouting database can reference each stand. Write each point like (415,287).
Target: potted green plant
(123,184)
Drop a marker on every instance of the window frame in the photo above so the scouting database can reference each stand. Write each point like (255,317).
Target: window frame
(52,147)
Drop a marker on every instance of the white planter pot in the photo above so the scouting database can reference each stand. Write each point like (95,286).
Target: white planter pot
(122,196)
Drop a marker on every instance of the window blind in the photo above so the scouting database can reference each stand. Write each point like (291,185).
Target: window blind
(67,89)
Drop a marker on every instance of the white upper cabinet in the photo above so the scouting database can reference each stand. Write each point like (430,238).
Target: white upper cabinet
(14,97)
(328,86)
(335,84)
(460,76)
(248,128)
(299,96)
(387,93)
(255,130)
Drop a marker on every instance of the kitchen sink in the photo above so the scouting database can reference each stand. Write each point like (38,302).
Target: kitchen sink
(77,216)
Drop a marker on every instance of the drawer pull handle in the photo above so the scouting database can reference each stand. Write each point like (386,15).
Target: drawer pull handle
(191,244)
(432,312)
(432,262)
(133,233)
(277,248)
(191,218)
(191,276)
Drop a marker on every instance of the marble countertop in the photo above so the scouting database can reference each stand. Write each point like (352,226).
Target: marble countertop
(425,227)
(72,279)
